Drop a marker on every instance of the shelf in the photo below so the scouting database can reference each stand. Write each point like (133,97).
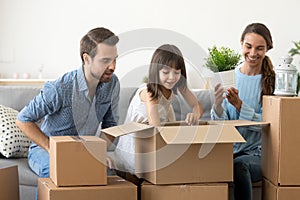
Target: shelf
(24,82)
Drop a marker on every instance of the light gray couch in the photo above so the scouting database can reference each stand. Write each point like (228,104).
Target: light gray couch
(17,97)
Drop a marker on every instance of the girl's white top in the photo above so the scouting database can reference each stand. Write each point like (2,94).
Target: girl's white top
(124,154)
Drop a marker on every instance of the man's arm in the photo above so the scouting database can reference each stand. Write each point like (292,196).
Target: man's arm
(34,133)
(37,108)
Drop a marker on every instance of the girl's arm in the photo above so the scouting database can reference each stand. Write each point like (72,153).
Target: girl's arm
(151,108)
(192,118)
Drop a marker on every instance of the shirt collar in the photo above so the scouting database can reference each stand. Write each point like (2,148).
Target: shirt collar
(81,80)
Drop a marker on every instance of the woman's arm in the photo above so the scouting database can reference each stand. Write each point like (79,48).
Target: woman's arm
(197,110)
(248,113)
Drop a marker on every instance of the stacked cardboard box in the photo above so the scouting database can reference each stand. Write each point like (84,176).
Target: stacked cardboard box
(183,160)
(9,183)
(78,172)
(280,148)
(78,161)
(116,189)
(216,191)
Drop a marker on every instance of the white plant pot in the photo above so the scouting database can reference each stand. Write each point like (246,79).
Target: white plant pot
(226,78)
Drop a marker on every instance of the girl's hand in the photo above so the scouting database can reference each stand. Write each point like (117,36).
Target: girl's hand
(110,163)
(191,119)
(233,98)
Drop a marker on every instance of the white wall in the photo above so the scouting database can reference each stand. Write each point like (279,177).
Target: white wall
(46,33)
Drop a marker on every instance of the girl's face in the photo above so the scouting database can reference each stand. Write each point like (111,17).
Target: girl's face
(254,49)
(169,76)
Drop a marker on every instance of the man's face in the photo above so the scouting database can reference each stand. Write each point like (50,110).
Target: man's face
(103,65)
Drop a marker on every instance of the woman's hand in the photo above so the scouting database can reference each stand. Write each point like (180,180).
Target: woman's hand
(219,91)
(233,98)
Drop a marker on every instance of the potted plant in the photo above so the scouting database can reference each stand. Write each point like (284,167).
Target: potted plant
(222,61)
(296,51)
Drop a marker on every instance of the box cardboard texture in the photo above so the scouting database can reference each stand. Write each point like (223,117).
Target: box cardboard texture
(116,189)
(173,154)
(78,161)
(280,141)
(275,192)
(216,191)
(9,183)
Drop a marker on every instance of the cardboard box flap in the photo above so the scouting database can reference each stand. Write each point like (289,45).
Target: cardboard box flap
(238,122)
(219,122)
(200,134)
(127,128)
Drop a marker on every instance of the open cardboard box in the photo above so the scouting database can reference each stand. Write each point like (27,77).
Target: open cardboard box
(176,153)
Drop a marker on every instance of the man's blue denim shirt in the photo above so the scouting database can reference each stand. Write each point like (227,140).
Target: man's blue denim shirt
(67,109)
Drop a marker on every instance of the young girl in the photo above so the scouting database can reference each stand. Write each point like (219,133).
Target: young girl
(151,103)
(254,78)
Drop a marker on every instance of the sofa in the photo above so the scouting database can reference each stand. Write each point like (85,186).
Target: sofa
(17,97)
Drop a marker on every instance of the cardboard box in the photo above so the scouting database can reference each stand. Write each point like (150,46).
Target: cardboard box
(281,140)
(78,161)
(216,191)
(174,153)
(116,189)
(275,192)
(9,183)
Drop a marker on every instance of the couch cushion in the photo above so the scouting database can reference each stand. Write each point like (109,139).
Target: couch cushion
(13,143)
(126,95)
(205,97)
(17,97)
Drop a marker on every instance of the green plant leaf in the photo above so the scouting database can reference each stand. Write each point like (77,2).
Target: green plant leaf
(296,49)
(222,59)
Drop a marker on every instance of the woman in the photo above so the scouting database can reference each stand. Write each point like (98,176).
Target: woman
(254,78)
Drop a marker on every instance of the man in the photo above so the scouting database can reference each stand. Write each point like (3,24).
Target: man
(78,103)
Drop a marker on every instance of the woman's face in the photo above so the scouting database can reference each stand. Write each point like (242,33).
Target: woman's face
(169,76)
(254,48)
